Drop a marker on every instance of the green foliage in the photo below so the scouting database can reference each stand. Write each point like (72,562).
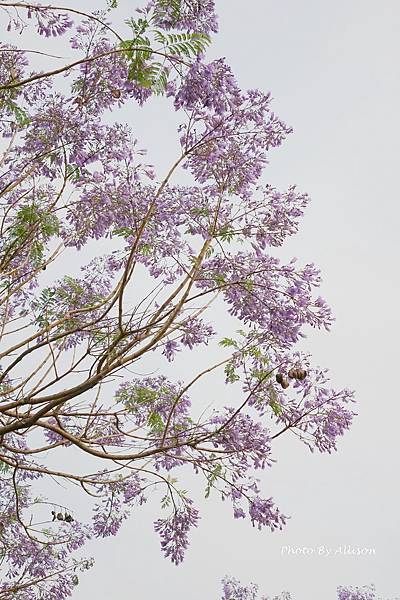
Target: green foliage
(124,232)
(228,342)
(155,423)
(166,501)
(21,117)
(276,407)
(170,9)
(182,44)
(260,374)
(29,216)
(143,67)
(44,306)
(226,234)
(145,249)
(157,76)
(230,373)
(219,279)
(209,252)
(31,228)
(213,476)
(57,301)
(4,468)
(73,173)
(249,285)
(136,396)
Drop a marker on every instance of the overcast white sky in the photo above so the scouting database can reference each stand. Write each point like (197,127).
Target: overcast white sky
(332,68)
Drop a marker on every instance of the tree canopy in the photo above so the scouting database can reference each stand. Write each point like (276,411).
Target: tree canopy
(75,348)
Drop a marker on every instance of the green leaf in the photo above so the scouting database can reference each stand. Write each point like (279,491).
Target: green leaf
(230,372)
(167,8)
(124,232)
(226,342)
(21,117)
(273,402)
(155,423)
(212,477)
(219,279)
(4,468)
(260,374)
(165,501)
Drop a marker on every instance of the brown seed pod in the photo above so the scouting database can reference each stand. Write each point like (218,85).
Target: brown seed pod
(60,517)
(115,93)
(297,374)
(68,518)
(285,384)
(279,377)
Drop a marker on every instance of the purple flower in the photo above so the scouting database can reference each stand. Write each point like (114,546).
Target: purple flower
(188,15)
(174,531)
(356,593)
(264,514)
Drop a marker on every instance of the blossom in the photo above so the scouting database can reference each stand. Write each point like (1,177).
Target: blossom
(264,514)
(233,590)
(72,180)
(356,593)
(190,15)
(174,531)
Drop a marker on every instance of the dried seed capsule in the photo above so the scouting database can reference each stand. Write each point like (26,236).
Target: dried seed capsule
(60,517)
(279,377)
(292,373)
(68,518)
(303,374)
(285,384)
(116,93)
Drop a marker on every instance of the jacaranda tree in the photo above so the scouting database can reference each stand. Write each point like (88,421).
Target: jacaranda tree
(72,347)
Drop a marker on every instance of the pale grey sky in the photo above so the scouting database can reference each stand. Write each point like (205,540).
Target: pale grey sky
(332,68)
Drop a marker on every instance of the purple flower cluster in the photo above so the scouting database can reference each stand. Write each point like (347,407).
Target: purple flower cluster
(187,15)
(70,180)
(31,558)
(356,593)
(229,151)
(49,21)
(151,399)
(234,590)
(246,442)
(263,513)
(261,291)
(174,531)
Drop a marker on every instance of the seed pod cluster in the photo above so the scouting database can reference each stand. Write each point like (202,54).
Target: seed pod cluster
(297,374)
(281,379)
(292,374)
